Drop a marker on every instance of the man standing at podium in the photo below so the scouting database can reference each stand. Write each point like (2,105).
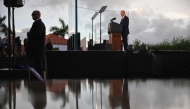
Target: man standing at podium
(125,23)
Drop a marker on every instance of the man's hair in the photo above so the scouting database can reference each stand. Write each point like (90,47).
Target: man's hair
(38,12)
(123,11)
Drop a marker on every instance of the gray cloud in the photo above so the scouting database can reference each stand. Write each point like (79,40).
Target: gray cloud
(51,7)
(145,28)
(88,25)
(96,4)
(144,23)
(179,21)
(47,3)
(165,28)
(138,22)
(22,33)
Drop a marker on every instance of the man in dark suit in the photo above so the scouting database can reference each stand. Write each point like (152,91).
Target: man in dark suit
(49,45)
(125,23)
(36,42)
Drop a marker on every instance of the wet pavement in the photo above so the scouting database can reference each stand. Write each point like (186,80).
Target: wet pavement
(96,94)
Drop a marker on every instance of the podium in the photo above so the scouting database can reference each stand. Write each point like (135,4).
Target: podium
(114,31)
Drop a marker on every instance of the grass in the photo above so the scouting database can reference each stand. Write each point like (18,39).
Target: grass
(177,43)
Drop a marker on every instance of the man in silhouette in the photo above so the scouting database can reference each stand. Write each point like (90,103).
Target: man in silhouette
(25,44)
(36,42)
(49,45)
(125,23)
(18,45)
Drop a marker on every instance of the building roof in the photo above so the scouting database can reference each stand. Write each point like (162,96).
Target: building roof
(56,39)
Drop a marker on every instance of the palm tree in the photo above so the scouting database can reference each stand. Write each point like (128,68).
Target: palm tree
(60,31)
(3,26)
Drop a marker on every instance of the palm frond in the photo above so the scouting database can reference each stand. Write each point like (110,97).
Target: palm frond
(62,22)
(4,30)
(3,26)
(2,19)
(60,31)
(56,33)
(54,28)
(66,28)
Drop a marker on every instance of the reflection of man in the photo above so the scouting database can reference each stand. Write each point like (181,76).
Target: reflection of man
(3,95)
(36,42)
(75,87)
(119,94)
(125,23)
(125,97)
(37,94)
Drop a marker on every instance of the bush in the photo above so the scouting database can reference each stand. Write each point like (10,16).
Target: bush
(136,44)
(56,49)
(177,43)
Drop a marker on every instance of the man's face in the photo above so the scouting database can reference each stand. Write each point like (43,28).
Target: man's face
(122,13)
(35,15)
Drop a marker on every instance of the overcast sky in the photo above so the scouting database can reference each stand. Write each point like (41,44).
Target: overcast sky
(150,21)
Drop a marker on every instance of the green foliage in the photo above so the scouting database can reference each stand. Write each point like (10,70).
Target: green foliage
(56,49)
(165,45)
(3,26)
(60,31)
(136,44)
(177,43)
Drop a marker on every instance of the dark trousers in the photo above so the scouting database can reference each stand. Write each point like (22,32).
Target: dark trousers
(39,67)
(125,41)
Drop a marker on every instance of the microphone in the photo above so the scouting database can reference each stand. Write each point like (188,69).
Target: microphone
(113,19)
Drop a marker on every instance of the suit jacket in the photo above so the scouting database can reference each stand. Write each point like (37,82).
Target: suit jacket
(125,23)
(36,41)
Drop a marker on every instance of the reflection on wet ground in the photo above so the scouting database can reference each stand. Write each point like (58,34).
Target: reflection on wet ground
(96,94)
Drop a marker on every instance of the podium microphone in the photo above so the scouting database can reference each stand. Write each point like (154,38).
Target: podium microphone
(113,19)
